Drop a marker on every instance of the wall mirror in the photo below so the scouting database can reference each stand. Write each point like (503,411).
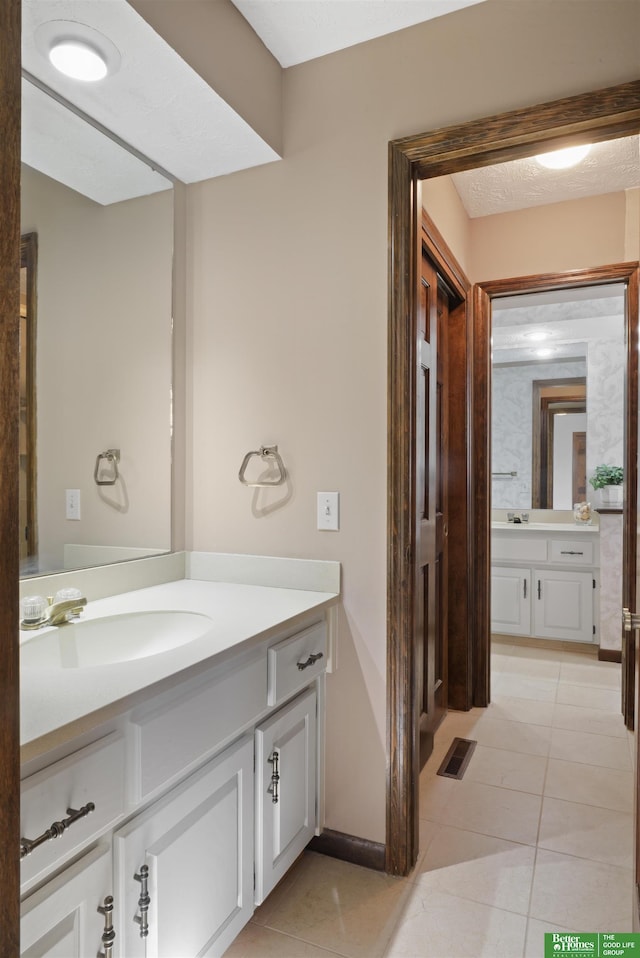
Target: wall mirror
(557,394)
(100,352)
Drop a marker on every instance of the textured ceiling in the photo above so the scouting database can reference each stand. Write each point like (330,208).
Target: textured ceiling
(299,30)
(609,168)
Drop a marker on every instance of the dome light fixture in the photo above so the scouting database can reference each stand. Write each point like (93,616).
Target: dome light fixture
(78,60)
(563,159)
(537,335)
(77,50)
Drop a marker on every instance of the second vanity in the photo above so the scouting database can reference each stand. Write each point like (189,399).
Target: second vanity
(544,580)
(179,785)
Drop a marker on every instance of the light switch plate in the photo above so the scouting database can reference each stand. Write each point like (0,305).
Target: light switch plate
(73,504)
(328,511)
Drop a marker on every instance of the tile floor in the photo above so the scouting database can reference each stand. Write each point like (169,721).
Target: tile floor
(536,837)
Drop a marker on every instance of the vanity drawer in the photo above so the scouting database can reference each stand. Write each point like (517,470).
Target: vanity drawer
(295,662)
(522,548)
(93,774)
(568,550)
(182,731)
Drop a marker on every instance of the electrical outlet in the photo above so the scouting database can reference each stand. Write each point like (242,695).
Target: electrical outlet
(328,511)
(73,504)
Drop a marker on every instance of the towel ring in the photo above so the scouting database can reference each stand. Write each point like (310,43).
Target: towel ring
(111,456)
(264,452)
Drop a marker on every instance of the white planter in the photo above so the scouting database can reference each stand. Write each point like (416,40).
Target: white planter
(612,496)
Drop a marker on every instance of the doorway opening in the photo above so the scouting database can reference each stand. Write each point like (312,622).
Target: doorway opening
(595,116)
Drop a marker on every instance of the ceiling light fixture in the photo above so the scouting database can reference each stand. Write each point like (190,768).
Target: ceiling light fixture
(78,60)
(537,335)
(563,159)
(77,50)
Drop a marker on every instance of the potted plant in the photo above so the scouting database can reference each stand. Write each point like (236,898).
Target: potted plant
(609,480)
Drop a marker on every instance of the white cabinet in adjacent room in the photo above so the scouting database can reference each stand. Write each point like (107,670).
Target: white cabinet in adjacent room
(563,605)
(511,600)
(544,583)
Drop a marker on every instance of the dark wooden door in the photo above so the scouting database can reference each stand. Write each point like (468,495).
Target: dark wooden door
(430,567)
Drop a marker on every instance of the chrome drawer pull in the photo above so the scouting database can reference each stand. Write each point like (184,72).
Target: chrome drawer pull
(272,790)
(55,830)
(143,902)
(312,658)
(568,552)
(108,935)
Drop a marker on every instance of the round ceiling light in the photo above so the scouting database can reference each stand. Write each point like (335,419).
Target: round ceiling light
(78,60)
(77,50)
(563,159)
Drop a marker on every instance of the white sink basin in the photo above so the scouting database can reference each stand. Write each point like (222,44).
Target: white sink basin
(112,639)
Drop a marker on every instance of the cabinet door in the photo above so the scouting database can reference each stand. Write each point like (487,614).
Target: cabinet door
(563,605)
(61,919)
(285,789)
(511,601)
(197,843)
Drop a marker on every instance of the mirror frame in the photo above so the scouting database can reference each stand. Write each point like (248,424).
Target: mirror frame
(590,117)
(9,564)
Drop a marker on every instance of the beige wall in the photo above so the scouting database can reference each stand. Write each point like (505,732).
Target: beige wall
(287,306)
(577,234)
(103,364)
(443,204)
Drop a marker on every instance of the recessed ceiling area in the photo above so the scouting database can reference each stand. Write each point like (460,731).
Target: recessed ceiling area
(299,30)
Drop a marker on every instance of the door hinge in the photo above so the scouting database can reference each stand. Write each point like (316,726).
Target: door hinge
(594,630)
(594,583)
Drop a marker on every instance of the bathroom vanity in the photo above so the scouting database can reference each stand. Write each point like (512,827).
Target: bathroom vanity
(184,783)
(544,580)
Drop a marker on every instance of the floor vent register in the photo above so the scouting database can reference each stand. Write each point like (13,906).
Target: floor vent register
(457,758)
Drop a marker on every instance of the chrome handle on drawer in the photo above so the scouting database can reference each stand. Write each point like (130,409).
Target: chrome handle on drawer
(524,588)
(274,760)
(55,830)
(143,902)
(312,658)
(108,935)
(568,552)
(539,589)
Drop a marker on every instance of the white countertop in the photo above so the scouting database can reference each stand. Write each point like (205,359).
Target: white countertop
(560,527)
(63,701)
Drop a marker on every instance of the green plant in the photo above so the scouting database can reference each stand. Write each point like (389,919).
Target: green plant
(606,476)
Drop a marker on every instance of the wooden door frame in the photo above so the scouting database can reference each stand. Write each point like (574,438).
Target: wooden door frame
(590,117)
(629,274)
(9,451)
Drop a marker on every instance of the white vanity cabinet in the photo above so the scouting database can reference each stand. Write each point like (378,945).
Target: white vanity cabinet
(205,793)
(544,583)
(197,846)
(61,919)
(285,789)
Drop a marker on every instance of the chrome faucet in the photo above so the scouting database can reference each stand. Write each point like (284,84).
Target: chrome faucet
(56,613)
